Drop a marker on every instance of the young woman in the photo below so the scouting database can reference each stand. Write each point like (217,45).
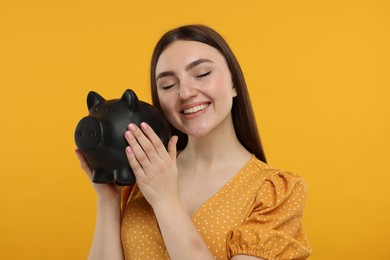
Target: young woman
(210,194)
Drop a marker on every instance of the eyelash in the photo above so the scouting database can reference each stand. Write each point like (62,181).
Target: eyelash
(198,76)
(203,75)
(168,86)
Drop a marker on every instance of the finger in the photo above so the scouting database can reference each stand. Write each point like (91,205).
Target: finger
(172,147)
(155,140)
(144,142)
(84,164)
(135,166)
(136,149)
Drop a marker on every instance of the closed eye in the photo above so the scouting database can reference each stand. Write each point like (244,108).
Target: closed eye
(168,86)
(204,74)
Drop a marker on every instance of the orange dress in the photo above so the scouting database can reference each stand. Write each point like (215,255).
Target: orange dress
(257,213)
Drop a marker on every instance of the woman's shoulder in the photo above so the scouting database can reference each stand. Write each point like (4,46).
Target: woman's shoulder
(273,186)
(259,171)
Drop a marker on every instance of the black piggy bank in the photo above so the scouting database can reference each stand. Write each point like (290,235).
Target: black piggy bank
(100,135)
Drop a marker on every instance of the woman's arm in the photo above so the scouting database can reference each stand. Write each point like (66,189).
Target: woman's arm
(106,242)
(181,238)
(156,174)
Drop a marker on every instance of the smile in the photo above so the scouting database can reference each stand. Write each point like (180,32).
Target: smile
(195,109)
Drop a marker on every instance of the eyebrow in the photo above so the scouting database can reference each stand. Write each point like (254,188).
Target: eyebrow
(188,67)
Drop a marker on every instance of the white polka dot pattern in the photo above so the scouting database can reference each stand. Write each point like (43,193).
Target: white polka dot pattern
(258,213)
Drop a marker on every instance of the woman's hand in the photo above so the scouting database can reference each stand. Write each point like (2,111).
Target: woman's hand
(106,242)
(154,166)
(105,192)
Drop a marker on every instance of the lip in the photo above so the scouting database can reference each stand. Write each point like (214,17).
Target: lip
(192,105)
(196,114)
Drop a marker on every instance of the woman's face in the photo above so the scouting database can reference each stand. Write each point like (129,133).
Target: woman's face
(195,88)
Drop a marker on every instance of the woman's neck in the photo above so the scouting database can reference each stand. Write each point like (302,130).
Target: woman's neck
(218,146)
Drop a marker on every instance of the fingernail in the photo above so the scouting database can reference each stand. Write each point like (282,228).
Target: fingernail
(128,134)
(128,150)
(144,125)
(132,127)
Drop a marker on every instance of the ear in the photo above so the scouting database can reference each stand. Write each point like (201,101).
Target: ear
(93,99)
(234,91)
(131,99)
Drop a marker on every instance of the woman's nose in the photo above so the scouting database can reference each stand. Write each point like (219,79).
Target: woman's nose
(187,90)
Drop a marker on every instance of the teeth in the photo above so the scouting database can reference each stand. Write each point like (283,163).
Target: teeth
(194,109)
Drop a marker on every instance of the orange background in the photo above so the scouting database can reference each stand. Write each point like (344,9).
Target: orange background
(318,74)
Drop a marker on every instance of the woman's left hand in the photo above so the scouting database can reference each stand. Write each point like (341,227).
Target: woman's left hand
(154,166)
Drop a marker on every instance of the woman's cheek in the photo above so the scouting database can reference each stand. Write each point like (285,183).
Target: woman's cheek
(168,112)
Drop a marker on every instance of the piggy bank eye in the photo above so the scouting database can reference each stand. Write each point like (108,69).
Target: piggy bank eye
(96,109)
(108,109)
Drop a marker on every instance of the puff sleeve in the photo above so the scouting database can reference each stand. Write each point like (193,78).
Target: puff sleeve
(273,228)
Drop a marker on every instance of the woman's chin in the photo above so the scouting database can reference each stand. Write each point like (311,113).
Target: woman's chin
(197,133)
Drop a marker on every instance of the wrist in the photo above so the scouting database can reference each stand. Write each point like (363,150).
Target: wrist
(107,193)
(169,207)
(108,201)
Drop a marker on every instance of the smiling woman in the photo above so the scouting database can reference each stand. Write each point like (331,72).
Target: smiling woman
(242,112)
(200,94)
(210,194)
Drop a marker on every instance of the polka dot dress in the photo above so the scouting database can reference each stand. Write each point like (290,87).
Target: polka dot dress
(257,213)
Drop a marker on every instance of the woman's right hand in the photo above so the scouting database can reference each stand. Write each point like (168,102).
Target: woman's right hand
(106,242)
(105,192)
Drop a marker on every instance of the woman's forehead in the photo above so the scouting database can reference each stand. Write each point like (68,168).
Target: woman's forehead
(182,53)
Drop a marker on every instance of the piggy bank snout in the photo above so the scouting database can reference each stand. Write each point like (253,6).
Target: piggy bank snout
(88,134)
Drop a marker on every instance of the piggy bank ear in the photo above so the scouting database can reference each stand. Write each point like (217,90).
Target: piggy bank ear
(93,99)
(131,99)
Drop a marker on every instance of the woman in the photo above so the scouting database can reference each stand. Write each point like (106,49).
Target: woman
(210,194)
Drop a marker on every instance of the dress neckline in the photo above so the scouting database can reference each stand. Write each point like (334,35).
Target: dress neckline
(225,186)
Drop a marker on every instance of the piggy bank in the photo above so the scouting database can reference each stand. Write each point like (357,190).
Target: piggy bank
(100,135)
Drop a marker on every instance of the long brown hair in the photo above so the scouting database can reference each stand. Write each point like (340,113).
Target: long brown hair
(242,113)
